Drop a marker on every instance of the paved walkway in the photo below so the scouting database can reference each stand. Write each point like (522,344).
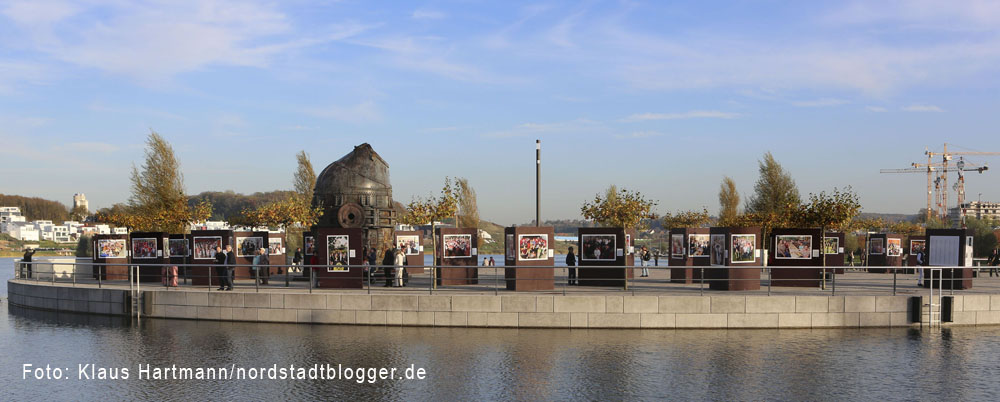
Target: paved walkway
(492,281)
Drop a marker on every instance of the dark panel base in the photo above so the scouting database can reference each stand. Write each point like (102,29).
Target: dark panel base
(529,279)
(603,276)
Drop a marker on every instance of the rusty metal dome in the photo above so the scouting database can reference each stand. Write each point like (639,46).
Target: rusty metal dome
(355,190)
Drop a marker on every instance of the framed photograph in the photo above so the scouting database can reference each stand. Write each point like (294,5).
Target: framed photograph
(598,247)
(744,249)
(793,247)
(894,248)
(274,246)
(876,246)
(831,245)
(111,248)
(511,247)
(917,246)
(178,247)
(533,247)
(457,245)
(144,249)
(410,244)
(698,245)
(717,248)
(677,245)
(628,243)
(310,245)
(204,247)
(248,246)
(337,253)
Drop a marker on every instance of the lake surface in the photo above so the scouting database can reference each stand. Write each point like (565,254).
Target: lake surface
(486,364)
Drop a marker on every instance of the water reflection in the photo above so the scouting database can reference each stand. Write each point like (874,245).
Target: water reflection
(522,364)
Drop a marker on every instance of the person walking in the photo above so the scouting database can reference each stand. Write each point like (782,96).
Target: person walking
(994,261)
(298,258)
(399,261)
(230,266)
(571,267)
(644,261)
(220,267)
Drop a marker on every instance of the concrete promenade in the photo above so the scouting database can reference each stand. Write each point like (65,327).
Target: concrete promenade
(862,300)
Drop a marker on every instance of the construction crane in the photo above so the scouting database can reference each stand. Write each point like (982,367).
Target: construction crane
(937,187)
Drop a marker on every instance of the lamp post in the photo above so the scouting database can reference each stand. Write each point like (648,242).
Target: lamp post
(538,183)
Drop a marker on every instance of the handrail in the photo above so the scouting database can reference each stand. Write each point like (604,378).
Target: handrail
(487,278)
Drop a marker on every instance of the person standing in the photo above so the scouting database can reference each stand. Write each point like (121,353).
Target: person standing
(921,259)
(230,266)
(298,257)
(486,262)
(493,262)
(220,267)
(264,267)
(398,262)
(28,253)
(644,261)
(571,266)
(994,261)
(388,260)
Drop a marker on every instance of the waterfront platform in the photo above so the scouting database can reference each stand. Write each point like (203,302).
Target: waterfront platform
(861,299)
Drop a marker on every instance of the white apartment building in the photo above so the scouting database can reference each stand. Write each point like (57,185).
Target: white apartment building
(119,231)
(24,232)
(976,209)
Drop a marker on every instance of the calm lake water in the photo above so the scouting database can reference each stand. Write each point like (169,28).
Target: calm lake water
(486,364)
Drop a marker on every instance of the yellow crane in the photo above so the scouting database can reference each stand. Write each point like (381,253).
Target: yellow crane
(937,176)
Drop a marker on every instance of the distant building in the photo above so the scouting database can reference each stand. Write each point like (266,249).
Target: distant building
(123,231)
(975,209)
(80,200)
(24,233)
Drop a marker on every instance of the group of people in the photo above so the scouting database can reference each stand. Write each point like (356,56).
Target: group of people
(393,266)
(457,246)
(534,247)
(489,262)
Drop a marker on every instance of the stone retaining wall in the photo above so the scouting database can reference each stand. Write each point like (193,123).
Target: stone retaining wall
(511,311)
(65,298)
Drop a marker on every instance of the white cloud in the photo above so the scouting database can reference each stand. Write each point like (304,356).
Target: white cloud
(151,41)
(566,127)
(820,102)
(92,147)
(696,114)
(422,14)
(922,108)
(362,112)
(639,134)
(877,109)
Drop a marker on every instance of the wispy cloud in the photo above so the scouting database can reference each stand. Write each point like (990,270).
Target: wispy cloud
(92,147)
(573,126)
(820,102)
(922,109)
(696,114)
(423,14)
(639,134)
(362,112)
(151,41)
(876,109)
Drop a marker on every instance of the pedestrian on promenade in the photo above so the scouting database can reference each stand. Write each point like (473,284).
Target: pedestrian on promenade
(398,262)
(298,258)
(388,260)
(493,262)
(230,266)
(28,253)
(372,258)
(314,270)
(220,267)
(486,262)
(644,261)
(994,261)
(264,267)
(656,258)
(921,260)
(571,267)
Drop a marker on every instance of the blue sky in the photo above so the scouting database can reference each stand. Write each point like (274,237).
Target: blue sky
(661,97)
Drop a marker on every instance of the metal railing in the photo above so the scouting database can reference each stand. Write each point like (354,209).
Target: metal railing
(494,279)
